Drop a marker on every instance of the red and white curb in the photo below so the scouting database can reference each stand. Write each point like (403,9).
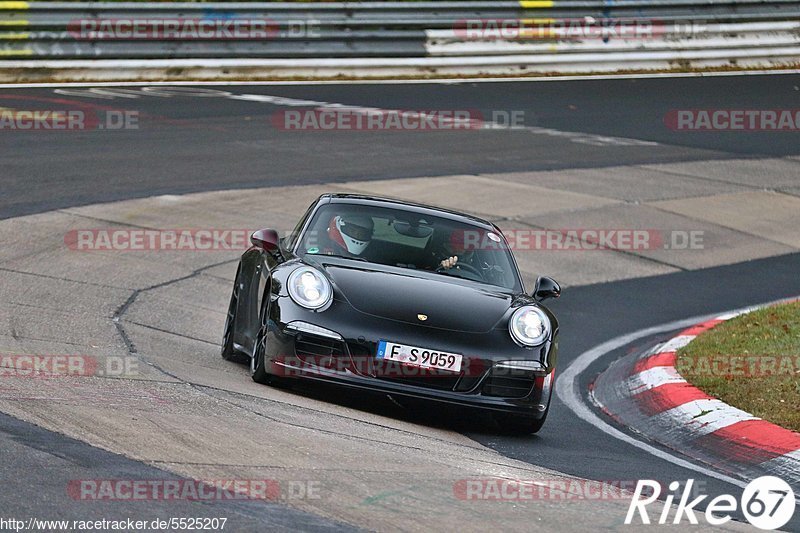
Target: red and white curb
(647,394)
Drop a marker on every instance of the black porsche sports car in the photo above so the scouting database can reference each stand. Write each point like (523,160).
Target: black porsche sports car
(399,298)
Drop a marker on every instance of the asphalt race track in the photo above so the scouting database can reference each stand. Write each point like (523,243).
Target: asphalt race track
(48,461)
(195,139)
(188,144)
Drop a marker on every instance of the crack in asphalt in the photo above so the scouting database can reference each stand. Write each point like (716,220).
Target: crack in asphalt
(340,416)
(729,228)
(651,167)
(181,335)
(121,310)
(106,220)
(216,310)
(273,467)
(59,278)
(217,277)
(346,436)
(42,307)
(38,339)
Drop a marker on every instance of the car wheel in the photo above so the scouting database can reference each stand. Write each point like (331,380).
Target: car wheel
(521,425)
(258,370)
(258,367)
(229,353)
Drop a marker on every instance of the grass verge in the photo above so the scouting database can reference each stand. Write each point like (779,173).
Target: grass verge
(751,362)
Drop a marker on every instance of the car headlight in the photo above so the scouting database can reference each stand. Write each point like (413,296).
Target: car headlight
(529,326)
(309,288)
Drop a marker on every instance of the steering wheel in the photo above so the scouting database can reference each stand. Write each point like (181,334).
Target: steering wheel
(463,266)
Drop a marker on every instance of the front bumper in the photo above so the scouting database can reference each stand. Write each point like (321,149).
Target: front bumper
(332,350)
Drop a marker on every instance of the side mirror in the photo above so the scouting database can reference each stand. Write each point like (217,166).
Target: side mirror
(266,239)
(546,288)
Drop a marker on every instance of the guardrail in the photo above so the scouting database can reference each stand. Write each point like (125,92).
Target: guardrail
(391,38)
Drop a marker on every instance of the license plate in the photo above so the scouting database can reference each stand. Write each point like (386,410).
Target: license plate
(422,357)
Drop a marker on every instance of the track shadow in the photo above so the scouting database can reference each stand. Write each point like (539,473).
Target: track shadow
(439,416)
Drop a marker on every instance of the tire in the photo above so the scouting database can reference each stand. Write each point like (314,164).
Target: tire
(258,367)
(258,363)
(258,370)
(229,353)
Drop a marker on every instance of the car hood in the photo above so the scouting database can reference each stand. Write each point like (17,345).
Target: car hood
(402,296)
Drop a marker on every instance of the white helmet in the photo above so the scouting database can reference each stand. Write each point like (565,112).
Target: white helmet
(352,233)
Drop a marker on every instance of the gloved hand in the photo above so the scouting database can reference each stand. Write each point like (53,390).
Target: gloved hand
(449,263)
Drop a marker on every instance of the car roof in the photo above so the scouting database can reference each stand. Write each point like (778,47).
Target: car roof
(385,201)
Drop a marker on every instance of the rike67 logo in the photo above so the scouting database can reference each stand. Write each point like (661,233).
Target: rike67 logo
(767,503)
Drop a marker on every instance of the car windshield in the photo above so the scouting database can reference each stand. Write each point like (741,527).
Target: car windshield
(407,239)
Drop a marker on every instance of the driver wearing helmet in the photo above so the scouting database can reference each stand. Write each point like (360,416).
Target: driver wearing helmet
(350,233)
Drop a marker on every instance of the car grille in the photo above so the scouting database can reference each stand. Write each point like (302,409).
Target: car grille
(508,386)
(439,382)
(320,351)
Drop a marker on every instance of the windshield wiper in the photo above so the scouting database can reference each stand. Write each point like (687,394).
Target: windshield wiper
(354,258)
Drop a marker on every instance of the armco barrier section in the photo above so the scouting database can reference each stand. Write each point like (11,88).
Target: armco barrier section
(389,38)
